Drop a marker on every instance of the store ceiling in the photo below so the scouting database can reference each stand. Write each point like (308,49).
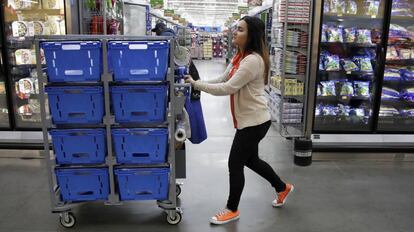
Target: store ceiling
(205,12)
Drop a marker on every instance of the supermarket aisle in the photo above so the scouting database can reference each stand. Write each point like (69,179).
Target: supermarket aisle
(331,196)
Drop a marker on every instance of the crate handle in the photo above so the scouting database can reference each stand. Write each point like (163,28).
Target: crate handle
(80,155)
(137,90)
(139,72)
(139,113)
(139,132)
(77,72)
(73,91)
(144,193)
(140,155)
(77,134)
(138,46)
(85,193)
(71,47)
(76,115)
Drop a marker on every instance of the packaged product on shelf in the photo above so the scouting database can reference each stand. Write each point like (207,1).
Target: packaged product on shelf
(292,111)
(328,88)
(25,87)
(388,111)
(351,7)
(22,4)
(20,29)
(323,33)
(337,6)
(361,88)
(402,8)
(407,74)
(346,89)
(329,110)
(363,36)
(389,94)
(408,95)
(52,4)
(364,63)
(392,74)
(23,56)
(407,112)
(372,7)
(399,34)
(53,25)
(335,34)
(332,63)
(405,53)
(348,65)
(350,35)
(392,53)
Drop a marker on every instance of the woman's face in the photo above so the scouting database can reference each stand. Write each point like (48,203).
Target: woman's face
(240,34)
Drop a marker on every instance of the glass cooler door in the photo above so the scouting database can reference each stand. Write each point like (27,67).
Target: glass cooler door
(397,99)
(4,110)
(351,33)
(23,21)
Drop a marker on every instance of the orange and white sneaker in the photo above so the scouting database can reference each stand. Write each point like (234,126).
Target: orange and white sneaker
(225,216)
(282,196)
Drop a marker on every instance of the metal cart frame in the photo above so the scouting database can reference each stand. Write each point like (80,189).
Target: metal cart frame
(175,106)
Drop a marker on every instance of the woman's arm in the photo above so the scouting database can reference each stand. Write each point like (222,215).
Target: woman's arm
(222,78)
(245,74)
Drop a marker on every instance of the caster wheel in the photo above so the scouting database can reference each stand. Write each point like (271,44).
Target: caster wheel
(176,220)
(178,190)
(69,221)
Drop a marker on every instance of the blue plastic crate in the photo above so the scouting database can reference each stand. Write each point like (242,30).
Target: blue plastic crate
(76,104)
(139,103)
(140,146)
(79,146)
(138,60)
(73,61)
(143,184)
(86,184)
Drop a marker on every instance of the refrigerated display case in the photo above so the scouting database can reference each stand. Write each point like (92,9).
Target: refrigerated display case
(396,113)
(101,17)
(361,93)
(23,20)
(4,108)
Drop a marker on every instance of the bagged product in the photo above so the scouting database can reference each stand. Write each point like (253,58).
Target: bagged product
(351,7)
(363,36)
(392,53)
(335,34)
(346,89)
(364,63)
(361,88)
(332,63)
(405,54)
(389,94)
(350,35)
(407,74)
(323,33)
(372,7)
(328,88)
(392,74)
(348,65)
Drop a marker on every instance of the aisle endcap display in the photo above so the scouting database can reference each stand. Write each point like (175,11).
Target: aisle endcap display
(100,160)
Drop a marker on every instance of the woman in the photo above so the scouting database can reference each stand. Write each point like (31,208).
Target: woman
(244,80)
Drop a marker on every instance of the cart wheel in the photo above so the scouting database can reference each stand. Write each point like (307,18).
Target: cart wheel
(68,222)
(178,190)
(175,220)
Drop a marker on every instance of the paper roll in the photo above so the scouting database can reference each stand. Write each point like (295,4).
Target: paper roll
(180,135)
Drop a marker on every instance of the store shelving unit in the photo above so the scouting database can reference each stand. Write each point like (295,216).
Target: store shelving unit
(290,47)
(174,109)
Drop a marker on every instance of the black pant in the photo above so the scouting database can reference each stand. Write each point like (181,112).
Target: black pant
(244,152)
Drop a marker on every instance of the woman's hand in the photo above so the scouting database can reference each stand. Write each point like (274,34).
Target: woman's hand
(189,79)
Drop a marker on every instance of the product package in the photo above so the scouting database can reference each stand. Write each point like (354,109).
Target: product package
(372,7)
(335,34)
(390,94)
(350,35)
(20,29)
(328,88)
(408,95)
(351,7)
(349,66)
(392,74)
(332,63)
(363,36)
(364,63)
(362,88)
(346,89)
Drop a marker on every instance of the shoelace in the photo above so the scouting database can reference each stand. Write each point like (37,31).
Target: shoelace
(223,212)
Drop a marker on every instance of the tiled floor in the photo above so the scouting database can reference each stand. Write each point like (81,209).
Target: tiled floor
(337,195)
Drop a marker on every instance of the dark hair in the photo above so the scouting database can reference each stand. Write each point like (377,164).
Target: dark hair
(256,41)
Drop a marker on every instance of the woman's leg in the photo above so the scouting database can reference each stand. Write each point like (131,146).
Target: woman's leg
(261,167)
(244,143)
